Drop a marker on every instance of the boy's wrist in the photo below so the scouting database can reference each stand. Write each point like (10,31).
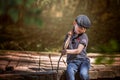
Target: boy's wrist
(63,52)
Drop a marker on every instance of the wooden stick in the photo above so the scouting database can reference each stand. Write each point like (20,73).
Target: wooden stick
(67,42)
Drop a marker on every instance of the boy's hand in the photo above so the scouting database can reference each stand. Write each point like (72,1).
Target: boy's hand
(63,52)
(70,33)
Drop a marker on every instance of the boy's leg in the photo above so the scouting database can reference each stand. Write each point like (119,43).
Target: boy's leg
(84,70)
(71,70)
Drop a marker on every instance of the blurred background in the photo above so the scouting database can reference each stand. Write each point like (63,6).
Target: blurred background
(41,25)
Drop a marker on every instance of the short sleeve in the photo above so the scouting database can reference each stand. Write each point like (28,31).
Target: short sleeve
(84,40)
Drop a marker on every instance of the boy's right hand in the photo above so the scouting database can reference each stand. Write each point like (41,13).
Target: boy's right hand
(63,52)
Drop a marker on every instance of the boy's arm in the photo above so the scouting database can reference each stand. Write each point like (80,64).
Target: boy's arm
(75,51)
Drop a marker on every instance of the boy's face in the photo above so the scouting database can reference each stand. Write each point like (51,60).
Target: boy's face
(78,29)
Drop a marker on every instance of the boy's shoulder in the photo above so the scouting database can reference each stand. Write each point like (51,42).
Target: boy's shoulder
(84,35)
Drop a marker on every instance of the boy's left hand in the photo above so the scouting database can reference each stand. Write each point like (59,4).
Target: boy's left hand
(63,52)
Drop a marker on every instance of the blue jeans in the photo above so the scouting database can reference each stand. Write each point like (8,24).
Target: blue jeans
(80,66)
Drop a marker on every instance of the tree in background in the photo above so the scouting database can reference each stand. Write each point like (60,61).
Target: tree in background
(57,16)
(15,15)
(18,12)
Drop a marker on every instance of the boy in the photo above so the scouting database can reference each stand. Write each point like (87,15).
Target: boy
(77,41)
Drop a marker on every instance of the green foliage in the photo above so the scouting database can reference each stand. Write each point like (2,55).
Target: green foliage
(29,2)
(104,60)
(13,14)
(6,5)
(21,10)
(45,3)
(18,2)
(14,2)
(110,47)
(99,60)
(32,16)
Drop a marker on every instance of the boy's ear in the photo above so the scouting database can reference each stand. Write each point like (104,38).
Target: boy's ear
(84,29)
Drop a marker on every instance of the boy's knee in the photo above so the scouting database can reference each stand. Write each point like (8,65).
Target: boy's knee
(84,75)
(70,71)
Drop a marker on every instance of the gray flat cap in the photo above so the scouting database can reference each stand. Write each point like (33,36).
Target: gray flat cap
(83,21)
